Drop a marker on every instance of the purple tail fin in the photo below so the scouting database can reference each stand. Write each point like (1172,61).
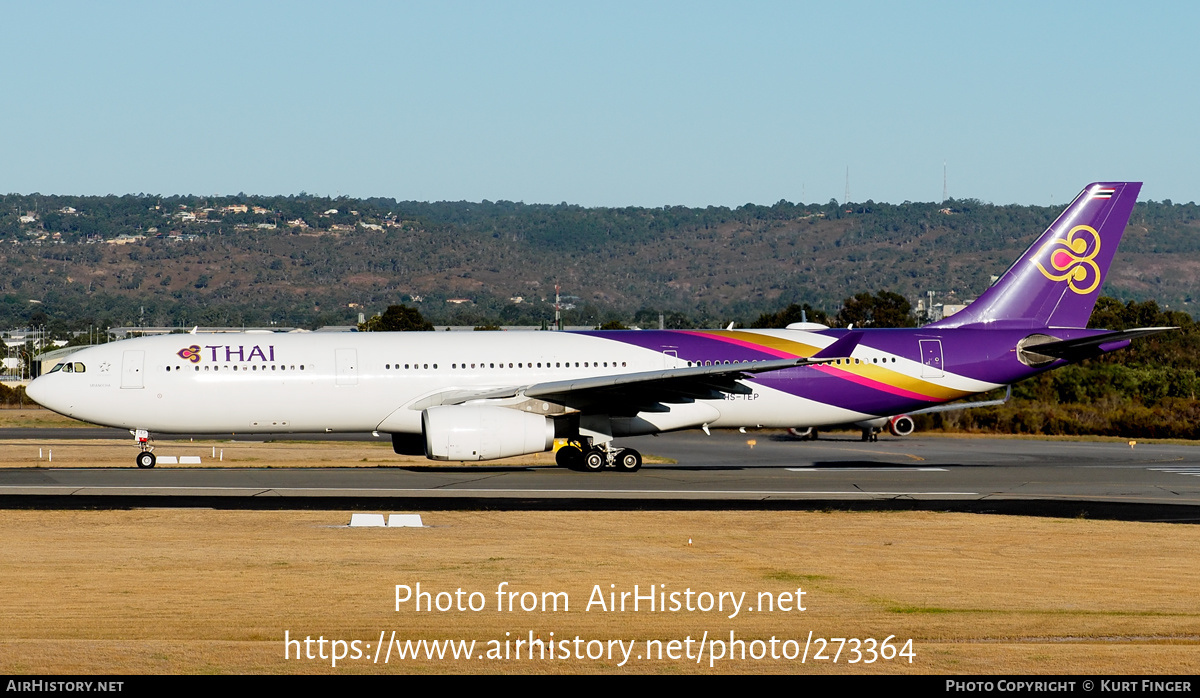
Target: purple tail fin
(1057,281)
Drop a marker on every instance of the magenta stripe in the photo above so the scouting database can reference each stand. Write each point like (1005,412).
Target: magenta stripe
(861,380)
(743,343)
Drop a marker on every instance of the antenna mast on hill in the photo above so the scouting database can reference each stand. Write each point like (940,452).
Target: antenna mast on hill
(846,200)
(557,311)
(944,189)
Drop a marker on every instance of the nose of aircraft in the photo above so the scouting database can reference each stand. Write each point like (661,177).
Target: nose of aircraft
(37,391)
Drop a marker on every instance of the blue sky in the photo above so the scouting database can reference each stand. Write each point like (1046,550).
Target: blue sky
(601,104)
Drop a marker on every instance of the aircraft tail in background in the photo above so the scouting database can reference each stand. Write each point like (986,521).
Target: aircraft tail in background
(1058,279)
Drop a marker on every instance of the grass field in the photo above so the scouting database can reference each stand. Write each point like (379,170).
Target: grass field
(206,591)
(214,591)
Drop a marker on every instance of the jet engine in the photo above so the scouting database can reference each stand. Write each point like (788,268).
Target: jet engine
(469,432)
(901,425)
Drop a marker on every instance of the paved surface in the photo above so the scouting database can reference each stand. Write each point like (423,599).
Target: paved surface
(1111,480)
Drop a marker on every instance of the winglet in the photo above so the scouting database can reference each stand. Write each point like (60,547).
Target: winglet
(840,349)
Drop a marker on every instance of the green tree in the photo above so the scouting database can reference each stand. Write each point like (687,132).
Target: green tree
(884,309)
(790,314)
(397,318)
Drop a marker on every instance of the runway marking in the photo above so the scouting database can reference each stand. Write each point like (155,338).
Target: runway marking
(881,469)
(873,451)
(1193,470)
(444,490)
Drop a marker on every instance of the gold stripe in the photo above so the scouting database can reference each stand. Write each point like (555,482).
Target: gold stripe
(872,371)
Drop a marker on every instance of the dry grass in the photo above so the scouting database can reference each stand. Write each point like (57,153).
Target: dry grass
(30,417)
(214,591)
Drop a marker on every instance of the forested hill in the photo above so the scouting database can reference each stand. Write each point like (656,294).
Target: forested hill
(305,261)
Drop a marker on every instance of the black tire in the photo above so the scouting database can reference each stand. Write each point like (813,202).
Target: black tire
(146,459)
(594,461)
(569,456)
(629,461)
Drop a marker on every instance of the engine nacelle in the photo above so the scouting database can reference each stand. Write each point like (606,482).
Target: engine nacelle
(467,432)
(901,425)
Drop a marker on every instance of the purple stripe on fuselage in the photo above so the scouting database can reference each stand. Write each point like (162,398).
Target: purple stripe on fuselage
(778,353)
(984,355)
(874,384)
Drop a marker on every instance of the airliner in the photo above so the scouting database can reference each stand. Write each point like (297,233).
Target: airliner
(500,394)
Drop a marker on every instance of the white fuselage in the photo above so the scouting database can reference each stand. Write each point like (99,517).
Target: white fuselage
(355,382)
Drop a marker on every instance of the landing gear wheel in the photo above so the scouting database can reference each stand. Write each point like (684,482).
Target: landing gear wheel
(594,460)
(629,461)
(145,459)
(570,457)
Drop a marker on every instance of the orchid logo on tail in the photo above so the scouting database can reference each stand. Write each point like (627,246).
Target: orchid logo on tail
(192,354)
(1072,259)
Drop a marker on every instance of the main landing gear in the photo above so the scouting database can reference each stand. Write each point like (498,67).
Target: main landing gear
(576,455)
(145,459)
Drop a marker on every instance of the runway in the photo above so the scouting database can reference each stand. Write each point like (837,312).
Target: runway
(726,469)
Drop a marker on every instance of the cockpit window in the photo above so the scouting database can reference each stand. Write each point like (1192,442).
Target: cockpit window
(57,367)
(79,367)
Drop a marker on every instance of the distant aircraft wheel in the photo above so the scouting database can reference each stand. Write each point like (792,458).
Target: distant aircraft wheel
(145,459)
(594,461)
(569,457)
(630,460)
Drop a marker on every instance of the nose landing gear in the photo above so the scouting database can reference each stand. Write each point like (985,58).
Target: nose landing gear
(145,459)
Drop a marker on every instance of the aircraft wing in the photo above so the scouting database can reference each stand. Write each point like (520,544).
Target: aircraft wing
(954,406)
(650,391)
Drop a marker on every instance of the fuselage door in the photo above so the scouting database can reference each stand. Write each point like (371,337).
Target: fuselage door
(346,361)
(132,365)
(931,358)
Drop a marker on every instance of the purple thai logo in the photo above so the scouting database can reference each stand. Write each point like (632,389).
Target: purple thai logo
(192,353)
(1073,259)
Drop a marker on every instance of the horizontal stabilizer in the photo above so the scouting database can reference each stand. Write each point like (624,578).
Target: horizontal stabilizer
(1087,347)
